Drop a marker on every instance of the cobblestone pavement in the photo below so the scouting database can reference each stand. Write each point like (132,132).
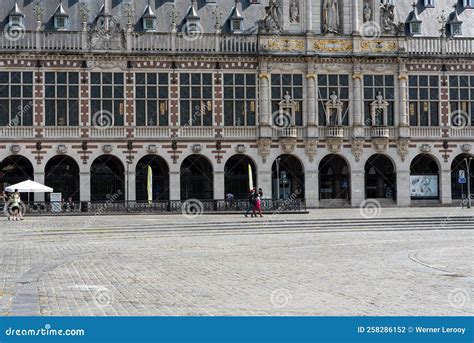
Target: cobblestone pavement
(327,262)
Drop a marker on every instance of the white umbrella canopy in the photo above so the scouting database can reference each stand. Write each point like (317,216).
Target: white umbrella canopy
(29,186)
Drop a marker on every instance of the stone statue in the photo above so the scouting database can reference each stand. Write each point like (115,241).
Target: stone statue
(330,16)
(367,13)
(294,13)
(387,16)
(270,23)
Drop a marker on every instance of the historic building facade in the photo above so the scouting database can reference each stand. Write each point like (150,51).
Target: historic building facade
(332,101)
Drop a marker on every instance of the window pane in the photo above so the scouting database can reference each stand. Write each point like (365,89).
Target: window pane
(239,79)
(62,78)
(140,78)
(49,78)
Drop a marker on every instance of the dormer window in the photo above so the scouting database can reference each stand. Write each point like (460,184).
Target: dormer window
(236,18)
(60,18)
(193,21)
(149,19)
(414,22)
(468,3)
(454,24)
(429,3)
(16,17)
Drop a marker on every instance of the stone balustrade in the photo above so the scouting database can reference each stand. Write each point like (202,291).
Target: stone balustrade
(132,42)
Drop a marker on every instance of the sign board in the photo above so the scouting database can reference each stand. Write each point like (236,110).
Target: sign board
(462,176)
(56,200)
(424,186)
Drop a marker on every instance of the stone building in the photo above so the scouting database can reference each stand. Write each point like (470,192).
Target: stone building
(330,101)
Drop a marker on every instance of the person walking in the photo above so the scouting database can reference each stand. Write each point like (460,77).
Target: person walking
(250,200)
(15,206)
(258,205)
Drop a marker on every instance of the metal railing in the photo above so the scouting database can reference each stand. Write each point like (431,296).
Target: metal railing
(171,206)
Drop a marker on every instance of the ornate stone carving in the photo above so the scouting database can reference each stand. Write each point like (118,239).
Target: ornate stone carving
(378,46)
(107,148)
(61,149)
(15,149)
(106,34)
(425,148)
(108,64)
(466,148)
(357,147)
(264,146)
(240,149)
(380,144)
(402,147)
(288,145)
(287,44)
(310,148)
(333,45)
(152,149)
(196,148)
(334,145)
(334,108)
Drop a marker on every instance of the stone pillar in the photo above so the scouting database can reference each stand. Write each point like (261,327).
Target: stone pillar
(311,188)
(445,187)
(403,94)
(85,186)
(311,96)
(355,16)
(264,180)
(264,117)
(357,187)
(403,187)
(219,188)
(131,189)
(38,177)
(358,99)
(309,16)
(175,185)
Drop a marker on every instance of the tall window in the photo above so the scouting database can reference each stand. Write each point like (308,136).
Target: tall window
(196,99)
(107,98)
(328,86)
(62,99)
(292,85)
(152,94)
(461,96)
(374,86)
(16,98)
(240,98)
(423,96)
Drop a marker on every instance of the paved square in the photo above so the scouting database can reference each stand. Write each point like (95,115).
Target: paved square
(313,264)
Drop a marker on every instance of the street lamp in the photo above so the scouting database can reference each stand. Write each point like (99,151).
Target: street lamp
(468,171)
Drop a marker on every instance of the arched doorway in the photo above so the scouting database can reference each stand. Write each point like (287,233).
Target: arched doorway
(62,174)
(424,178)
(460,163)
(380,178)
(236,176)
(287,178)
(107,179)
(196,178)
(334,178)
(160,178)
(15,169)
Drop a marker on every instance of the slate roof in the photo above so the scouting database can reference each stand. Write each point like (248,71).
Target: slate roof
(251,13)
